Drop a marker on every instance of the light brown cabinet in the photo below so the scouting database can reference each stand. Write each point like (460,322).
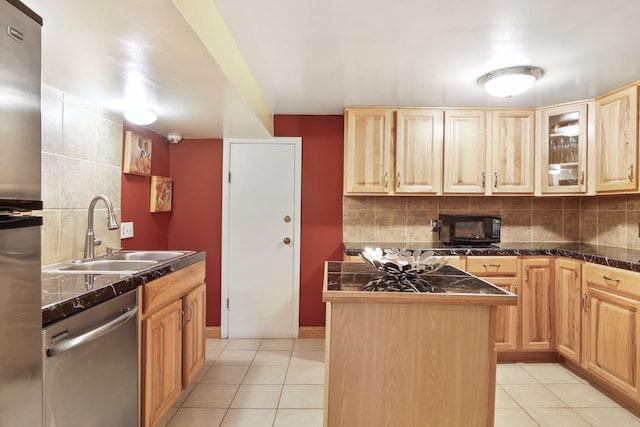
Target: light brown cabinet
(194,336)
(418,153)
(611,327)
(528,326)
(162,361)
(501,271)
(489,151)
(568,308)
(617,141)
(465,151)
(173,340)
(393,151)
(536,304)
(506,316)
(562,147)
(367,151)
(512,165)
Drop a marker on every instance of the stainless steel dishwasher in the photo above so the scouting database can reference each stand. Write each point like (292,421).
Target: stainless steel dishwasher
(91,367)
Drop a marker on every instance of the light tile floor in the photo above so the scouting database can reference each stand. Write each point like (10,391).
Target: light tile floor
(279,383)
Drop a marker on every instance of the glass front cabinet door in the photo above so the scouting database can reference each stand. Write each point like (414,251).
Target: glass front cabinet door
(564,149)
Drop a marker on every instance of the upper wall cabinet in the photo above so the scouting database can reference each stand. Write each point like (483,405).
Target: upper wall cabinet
(512,151)
(563,149)
(488,152)
(387,156)
(617,141)
(465,151)
(367,151)
(418,151)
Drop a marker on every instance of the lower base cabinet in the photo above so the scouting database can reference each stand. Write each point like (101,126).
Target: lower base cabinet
(173,339)
(612,324)
(569,309)
(536,304)
(162,356)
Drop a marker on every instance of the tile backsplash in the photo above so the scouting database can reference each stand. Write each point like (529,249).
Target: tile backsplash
(81,157)
(605,220)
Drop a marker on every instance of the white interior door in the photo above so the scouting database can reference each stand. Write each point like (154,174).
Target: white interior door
(260,271)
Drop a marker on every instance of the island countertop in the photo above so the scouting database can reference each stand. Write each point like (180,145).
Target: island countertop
(342,281)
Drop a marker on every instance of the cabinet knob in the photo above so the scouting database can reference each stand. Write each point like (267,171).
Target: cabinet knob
(287,240)
(495,180)
(287,219)
(398,181)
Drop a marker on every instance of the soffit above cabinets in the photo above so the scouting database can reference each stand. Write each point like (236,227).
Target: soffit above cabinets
(110,52)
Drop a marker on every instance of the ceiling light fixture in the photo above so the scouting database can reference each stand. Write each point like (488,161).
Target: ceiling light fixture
(510,81)
(140,115)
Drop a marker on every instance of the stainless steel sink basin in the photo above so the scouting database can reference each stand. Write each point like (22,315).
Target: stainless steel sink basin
(145,255)
(109,266)
(125,262)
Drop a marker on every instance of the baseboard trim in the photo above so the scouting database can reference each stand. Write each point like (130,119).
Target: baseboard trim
(212,332)
(303,332)
(311,332)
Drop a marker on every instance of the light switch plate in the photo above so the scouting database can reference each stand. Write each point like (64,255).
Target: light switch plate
(126,230)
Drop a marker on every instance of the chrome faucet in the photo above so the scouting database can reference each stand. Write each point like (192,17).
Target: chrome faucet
(91,240)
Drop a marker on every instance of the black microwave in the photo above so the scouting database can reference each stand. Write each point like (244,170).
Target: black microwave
(470,229)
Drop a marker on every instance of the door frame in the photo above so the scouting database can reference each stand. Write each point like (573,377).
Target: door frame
(224,282)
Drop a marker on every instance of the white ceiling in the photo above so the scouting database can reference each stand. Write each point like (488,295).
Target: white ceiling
(315,57)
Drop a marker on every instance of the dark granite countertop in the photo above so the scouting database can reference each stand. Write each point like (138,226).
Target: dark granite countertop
(350,276)
(628,259)
(65,294)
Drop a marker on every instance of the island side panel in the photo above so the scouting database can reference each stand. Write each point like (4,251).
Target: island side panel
(410,365)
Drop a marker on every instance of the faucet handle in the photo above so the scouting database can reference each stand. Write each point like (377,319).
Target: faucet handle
(111,250)
(96,241)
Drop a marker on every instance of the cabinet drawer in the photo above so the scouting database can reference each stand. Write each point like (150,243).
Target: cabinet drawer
(160,292)
(614,280)
(492,266)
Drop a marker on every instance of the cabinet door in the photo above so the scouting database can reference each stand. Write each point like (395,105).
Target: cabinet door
(512,152)
(194,337)
(162,361)
(506,315)
(568,292)
(536,305)
(616,141)
(611,333)
(368,146)
(418,151)
(563,149)
(465,144)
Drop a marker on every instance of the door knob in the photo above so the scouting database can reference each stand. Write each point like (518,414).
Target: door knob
(287,240)
(287,218)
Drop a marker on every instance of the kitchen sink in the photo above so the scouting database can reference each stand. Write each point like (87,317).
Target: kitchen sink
(145,255)
(124,262)
(108,266)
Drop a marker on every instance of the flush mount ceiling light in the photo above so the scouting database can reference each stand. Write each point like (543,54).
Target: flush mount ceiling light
(140,115)
(510,81)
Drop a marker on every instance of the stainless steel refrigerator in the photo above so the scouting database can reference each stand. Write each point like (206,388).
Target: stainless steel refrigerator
(20,286)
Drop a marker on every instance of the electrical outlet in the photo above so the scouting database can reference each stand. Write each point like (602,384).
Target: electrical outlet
(126,230)
(435,225)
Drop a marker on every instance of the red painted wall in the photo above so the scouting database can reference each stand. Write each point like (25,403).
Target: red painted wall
(196,220)
(150,230)
(321,222)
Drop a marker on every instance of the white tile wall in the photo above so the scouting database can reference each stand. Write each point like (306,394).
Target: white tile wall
(81,157)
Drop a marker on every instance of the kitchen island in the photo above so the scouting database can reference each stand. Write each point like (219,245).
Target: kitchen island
(410,359)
